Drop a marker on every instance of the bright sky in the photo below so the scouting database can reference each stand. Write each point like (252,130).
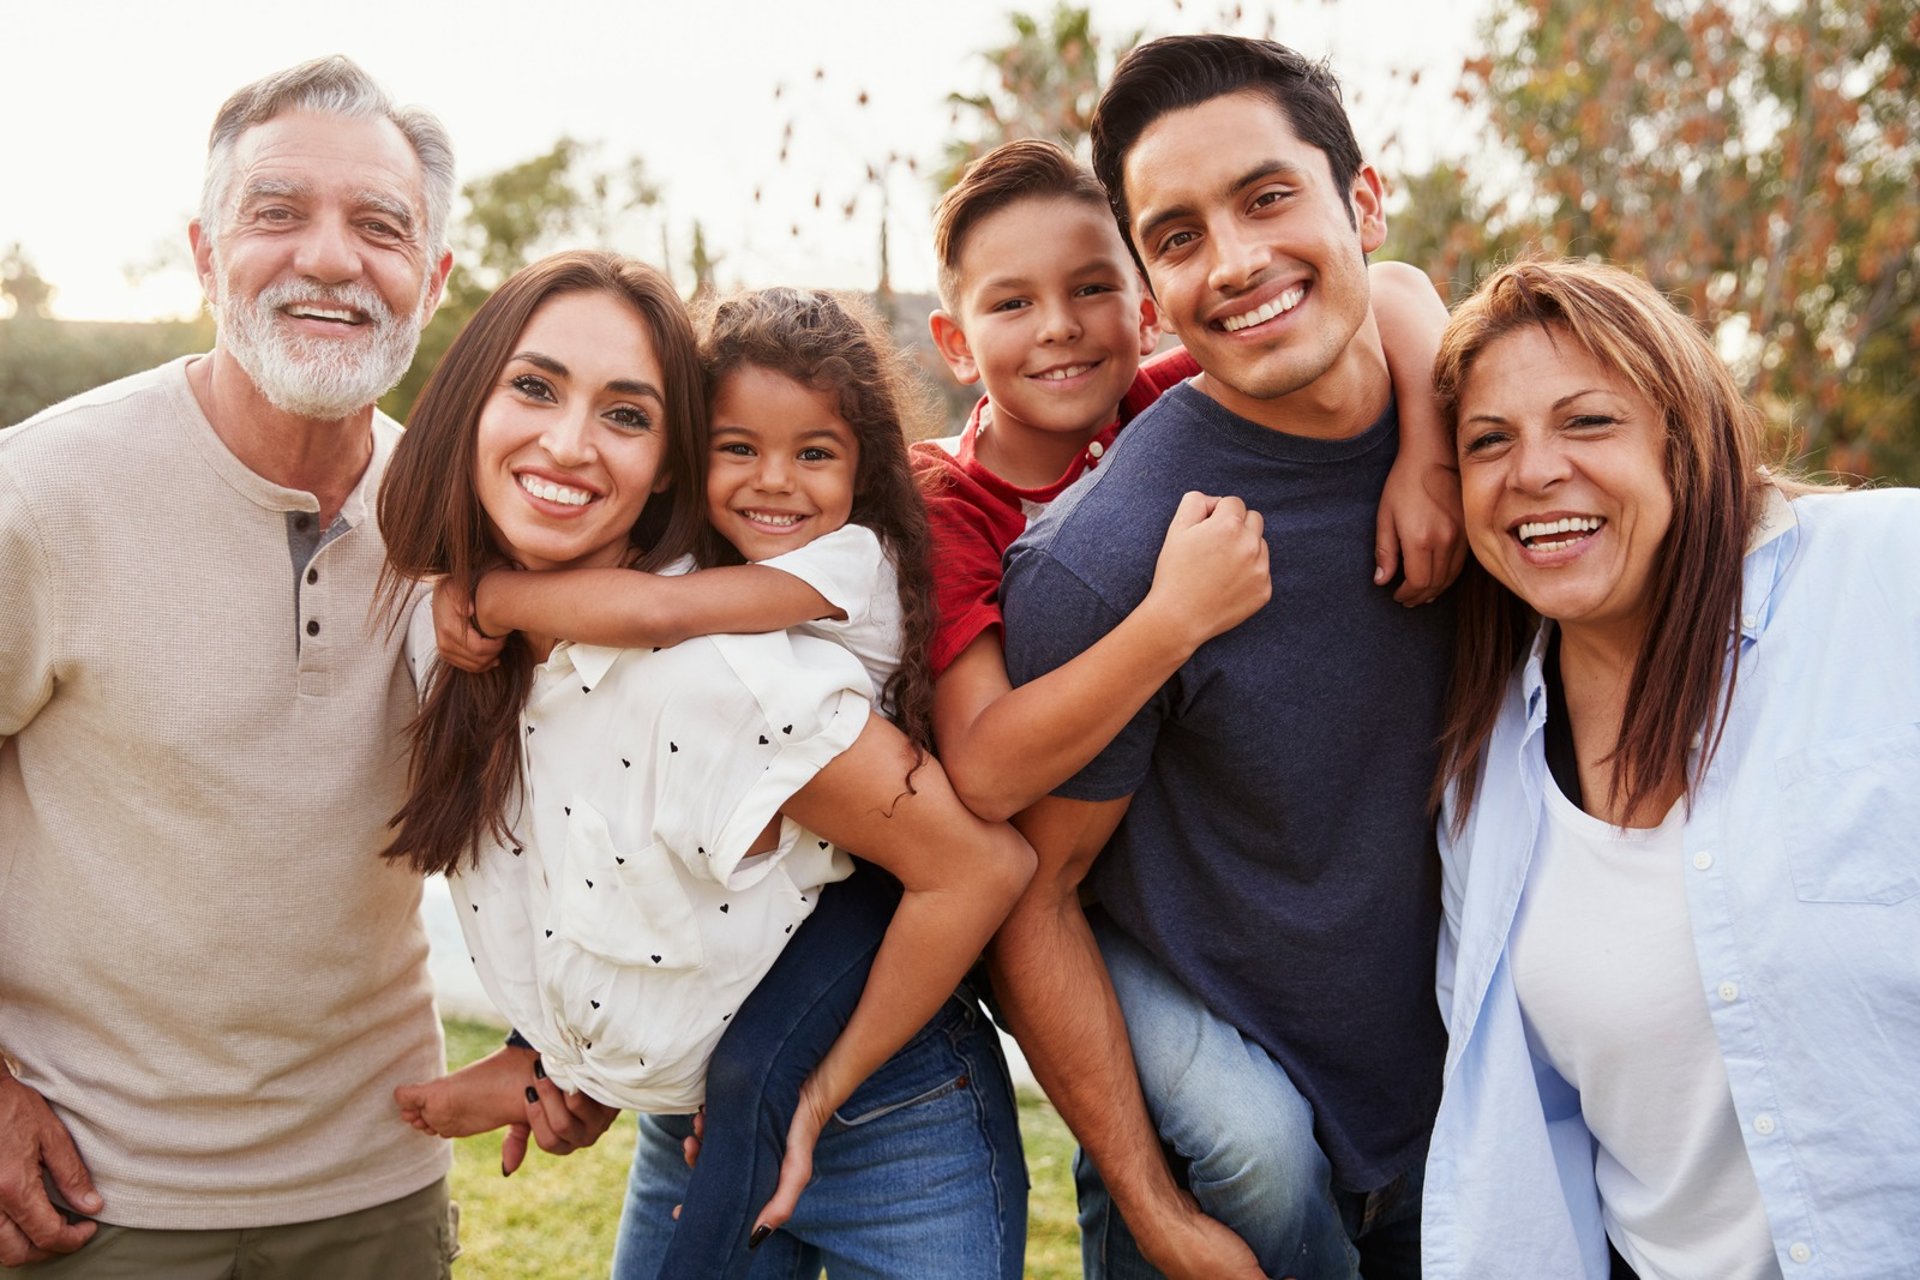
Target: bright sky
(106,108)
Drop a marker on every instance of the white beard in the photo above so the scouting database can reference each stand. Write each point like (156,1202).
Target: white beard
(321,378)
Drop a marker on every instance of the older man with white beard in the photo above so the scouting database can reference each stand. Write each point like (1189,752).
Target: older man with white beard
(210,981)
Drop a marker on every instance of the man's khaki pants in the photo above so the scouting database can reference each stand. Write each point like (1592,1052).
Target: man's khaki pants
(412,1238)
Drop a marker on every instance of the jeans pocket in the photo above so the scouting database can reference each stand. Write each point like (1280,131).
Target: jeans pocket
(927,1067)
(1852,807)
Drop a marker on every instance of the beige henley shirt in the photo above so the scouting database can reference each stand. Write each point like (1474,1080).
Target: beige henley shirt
(205,966)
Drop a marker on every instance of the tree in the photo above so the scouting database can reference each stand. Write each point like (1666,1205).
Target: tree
(29,295)
(1047,80)
(1755,158)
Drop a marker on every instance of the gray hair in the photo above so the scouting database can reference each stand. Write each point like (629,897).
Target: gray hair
(334,86)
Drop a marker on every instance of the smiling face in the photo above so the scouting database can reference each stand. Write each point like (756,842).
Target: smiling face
(1256,260)
(570,441)
(1563,475)
(319,268)
(1050,315)
(781,465)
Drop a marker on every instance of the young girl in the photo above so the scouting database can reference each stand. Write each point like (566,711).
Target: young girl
(641,880)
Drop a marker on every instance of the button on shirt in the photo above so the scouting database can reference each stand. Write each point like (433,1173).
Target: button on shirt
(1802,850)
(626,923)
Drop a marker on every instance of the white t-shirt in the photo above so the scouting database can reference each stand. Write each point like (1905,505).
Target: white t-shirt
(1604,965)
(626,925)
(853,571)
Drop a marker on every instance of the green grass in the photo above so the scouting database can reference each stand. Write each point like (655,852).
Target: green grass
(555,1218)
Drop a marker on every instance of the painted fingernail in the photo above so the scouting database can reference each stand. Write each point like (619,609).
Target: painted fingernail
(504,1171)
(539,1069)
(533,1094)
(759,1236)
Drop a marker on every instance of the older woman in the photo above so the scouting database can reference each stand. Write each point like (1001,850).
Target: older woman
(1681,819)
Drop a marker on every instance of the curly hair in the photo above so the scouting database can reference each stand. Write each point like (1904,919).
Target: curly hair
(836,345)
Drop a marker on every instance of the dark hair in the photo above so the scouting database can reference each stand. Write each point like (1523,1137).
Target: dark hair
(1025,169)
(1713,470)
(836,345)
(431,518)
(1177,72)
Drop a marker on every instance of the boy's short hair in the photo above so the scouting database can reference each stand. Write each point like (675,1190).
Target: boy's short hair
(1025,169)
(1176,72)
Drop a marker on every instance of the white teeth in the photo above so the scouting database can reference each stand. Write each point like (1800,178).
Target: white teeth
(1260,315)
(778,519)
(1579,525)
(324,313)
(560,493)
(1060,375)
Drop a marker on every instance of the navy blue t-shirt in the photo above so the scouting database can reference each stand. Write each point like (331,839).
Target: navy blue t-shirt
(1278,856)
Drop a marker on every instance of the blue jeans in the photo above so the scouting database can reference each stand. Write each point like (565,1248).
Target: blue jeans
(919,1173)
(1241,1136)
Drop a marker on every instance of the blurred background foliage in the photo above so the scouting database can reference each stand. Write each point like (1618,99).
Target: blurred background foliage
(1755,158)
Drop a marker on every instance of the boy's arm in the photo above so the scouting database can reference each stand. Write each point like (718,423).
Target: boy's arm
(623,608)
(1052,985)
(1004,748)
(1420,531)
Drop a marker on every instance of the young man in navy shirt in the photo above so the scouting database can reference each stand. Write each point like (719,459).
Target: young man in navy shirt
(1253,984)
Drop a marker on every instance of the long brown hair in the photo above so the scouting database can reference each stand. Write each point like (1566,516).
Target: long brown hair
(465,767)
(835,345)
(1713,450)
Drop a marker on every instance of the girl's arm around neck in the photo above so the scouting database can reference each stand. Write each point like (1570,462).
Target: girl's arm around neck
(628,609)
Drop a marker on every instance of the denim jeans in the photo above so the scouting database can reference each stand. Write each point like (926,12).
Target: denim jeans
(919,1173)
(1241,1136)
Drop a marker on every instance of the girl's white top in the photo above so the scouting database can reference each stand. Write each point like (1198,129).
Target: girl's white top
(622,928)
(851,569)
(1604,965)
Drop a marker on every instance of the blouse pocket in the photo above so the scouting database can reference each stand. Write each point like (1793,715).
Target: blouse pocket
(1852,811)
(626,906)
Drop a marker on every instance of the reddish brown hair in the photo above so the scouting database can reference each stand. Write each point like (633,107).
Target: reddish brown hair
(836,345)
(1025,169)
(1713,448)
(465,767)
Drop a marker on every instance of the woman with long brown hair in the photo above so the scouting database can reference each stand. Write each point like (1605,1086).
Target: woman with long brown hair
(631,832)
(1681,779)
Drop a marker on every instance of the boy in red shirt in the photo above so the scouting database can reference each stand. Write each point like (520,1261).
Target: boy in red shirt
(1042,304)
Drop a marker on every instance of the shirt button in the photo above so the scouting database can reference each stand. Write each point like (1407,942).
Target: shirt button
(1702,860)
(1800,1253)
(1729,992)
(303,522)
(1095,449)
(313,576)
(1699,740)
(1763,1124)
(313,627)
(1749,621)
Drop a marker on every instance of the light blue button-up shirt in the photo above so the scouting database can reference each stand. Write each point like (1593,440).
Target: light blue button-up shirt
(1802,853)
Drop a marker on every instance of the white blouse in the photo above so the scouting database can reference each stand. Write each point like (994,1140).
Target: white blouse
(625,925)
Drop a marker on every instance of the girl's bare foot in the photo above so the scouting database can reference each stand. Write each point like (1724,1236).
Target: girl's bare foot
(475,1099)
